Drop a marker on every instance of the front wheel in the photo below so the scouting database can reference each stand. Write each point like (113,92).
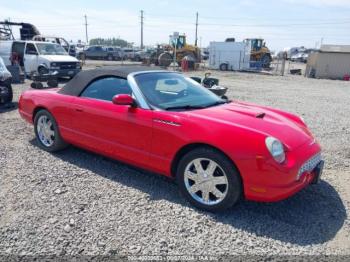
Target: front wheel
(266,61)
(209,180)
(47,132)
(43,70)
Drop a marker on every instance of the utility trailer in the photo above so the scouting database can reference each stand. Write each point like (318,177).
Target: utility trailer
(229,55)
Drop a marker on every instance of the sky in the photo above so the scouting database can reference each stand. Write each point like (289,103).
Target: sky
(282,23)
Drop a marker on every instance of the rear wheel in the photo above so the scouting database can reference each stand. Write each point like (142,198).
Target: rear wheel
(209,180)
(224,67)
(190,57)
(47,132)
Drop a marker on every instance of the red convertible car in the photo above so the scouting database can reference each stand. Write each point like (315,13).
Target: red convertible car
(218,150)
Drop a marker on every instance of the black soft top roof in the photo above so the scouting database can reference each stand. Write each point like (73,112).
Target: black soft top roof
(75,86)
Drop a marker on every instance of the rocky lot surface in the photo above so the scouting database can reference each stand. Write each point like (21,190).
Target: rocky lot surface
(78,203)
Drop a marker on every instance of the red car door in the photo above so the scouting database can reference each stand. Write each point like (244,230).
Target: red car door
(118,131)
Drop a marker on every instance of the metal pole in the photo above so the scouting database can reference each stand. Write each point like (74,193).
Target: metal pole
(174,62)
(196,39)
(86,32)
(141,29)
(283,63)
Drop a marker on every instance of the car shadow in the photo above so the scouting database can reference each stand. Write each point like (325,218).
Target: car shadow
(312,216)
(8,107)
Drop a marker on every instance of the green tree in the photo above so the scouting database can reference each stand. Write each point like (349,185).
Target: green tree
(109,42)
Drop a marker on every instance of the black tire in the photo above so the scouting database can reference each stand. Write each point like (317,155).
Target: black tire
(266,61)
(6,94)
(210,81)
(43,70)
(223,67)
(58,142)
(234,183)
(165,59)
(190,57)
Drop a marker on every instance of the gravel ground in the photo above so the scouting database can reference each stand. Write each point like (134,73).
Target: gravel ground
(79,203)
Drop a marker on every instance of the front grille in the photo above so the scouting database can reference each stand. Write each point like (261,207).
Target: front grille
(67,65)
(310,164)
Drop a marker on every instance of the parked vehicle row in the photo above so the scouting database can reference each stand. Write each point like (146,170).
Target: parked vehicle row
(38,57)
(298,54)
(100,52)
(117,53)
(108,53)
(302,55)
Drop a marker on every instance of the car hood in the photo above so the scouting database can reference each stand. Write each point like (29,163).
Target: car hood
(60,58)
(259,119)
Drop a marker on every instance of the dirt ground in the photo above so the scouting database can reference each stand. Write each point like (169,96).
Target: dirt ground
(77,202)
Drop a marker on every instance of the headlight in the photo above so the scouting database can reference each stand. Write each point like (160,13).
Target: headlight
(78,64)
(53,64)
(276,149)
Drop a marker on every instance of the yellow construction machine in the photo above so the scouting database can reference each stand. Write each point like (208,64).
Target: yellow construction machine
(179,46)
(259,51)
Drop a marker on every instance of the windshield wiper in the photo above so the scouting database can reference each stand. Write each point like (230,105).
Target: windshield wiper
(183,107)
(198,106)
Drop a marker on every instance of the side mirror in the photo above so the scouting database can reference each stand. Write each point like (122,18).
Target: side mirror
(124,100)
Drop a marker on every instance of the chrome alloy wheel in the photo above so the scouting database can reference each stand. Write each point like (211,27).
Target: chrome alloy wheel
(46,132)
(206,181)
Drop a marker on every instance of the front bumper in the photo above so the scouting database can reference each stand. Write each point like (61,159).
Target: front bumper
(273,194)
(272,182)
(65,72)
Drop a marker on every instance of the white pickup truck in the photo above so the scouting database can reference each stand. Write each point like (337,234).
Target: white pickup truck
(39,57)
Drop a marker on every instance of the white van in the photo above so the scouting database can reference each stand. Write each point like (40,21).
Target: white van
(39,57)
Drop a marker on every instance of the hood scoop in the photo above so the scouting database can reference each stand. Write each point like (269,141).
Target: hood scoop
(248,112)
(260,115)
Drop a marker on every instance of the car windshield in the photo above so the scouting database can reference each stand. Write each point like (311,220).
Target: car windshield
(50,49)
(173,91)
